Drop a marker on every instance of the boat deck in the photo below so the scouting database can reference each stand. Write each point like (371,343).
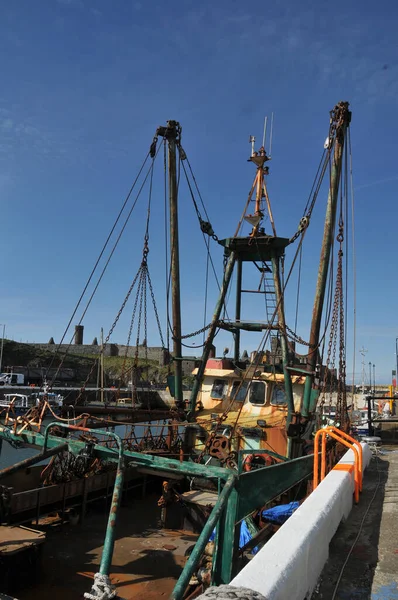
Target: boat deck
(146,562)
(17,539)
(372,560)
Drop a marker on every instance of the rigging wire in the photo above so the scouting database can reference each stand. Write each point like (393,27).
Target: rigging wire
(99,257)
(119,237)
(109,259)
(346,238)
(182,158)
(354,267)
(298,288)
(144,282)
(206,289)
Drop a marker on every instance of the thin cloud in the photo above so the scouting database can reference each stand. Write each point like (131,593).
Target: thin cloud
(378,182)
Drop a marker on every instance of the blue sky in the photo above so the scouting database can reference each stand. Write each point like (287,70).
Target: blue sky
(85,84)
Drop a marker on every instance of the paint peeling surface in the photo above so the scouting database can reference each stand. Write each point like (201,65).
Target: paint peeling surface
(371,572)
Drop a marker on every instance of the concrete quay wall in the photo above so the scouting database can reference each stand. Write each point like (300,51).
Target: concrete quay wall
(290,564)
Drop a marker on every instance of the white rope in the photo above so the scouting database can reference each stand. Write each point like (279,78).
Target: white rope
(230,592)
(102,589)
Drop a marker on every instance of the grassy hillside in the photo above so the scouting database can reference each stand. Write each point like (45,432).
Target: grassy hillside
(26,355)
(15,353)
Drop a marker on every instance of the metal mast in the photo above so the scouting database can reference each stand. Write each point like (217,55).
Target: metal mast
(172,135)
(340,119)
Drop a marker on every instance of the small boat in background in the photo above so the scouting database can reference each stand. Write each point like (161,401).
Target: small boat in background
(21,403)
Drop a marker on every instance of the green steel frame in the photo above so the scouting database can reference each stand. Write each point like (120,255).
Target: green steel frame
(240,494)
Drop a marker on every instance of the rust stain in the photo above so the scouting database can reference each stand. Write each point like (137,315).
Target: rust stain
(147,560)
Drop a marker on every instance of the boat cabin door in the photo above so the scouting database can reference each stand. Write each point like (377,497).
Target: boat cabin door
(257,398)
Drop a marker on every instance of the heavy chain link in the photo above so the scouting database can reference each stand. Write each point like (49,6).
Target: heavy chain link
(155,309)
(198,331)
(330,360)
(109,335)
(293,336)
(337,326)
(341,406)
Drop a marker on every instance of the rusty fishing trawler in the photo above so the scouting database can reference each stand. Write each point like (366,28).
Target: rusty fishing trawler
(242,443)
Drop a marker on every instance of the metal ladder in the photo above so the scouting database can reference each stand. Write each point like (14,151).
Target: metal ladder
(268,287)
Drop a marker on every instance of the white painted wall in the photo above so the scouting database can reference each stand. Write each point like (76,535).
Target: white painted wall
(290,564)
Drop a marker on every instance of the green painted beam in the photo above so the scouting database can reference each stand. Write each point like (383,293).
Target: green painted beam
(216,513)
(260,486)
(141,460)
(228,541)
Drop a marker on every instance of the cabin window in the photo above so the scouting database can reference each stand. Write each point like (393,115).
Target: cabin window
(257,392)
(278,396)
(218,389)
(239,391)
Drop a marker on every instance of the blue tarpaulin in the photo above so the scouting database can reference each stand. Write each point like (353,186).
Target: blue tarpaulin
(280,514)
(244,537)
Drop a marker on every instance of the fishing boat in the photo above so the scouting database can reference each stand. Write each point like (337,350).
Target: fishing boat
(19,403)
(243,441)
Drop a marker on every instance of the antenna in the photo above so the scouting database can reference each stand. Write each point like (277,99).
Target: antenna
(270,139)
(252,139)
(265,131)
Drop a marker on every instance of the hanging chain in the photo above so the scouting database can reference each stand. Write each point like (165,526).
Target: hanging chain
(198,331)
(121,309)
(155,309)
(341,406)
(330,359)
(294,337)
(337,328)
(135,366)
(146,332)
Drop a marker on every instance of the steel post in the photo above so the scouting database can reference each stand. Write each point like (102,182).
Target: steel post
(238,304)
(228,542)
(109,543)
(283,338)
(203,539)
(370,428)
(370,377)
(209,341)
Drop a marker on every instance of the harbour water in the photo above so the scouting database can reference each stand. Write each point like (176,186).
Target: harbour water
(10,455)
